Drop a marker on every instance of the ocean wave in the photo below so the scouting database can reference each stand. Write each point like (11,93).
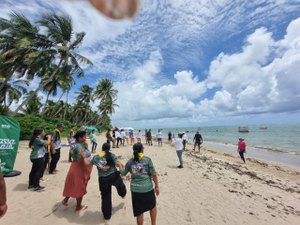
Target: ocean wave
(277,150)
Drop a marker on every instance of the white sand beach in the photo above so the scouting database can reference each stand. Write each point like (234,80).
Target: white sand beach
(213,188)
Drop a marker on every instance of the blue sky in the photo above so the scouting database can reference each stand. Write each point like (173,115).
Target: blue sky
(182,63)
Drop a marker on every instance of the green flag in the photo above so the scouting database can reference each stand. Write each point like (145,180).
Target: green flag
(9,142)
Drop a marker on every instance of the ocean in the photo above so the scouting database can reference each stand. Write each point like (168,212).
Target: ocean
(280,138)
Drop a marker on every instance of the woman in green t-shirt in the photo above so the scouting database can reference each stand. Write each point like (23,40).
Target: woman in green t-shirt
(38,146)
(79,172)
(109,176)
(142,192)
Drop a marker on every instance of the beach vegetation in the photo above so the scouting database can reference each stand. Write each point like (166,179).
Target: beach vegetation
(46,51)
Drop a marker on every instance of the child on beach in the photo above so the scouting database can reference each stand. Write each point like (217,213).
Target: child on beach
(79,172)
(143,195)
(242,148)
(109,176)
(38,146)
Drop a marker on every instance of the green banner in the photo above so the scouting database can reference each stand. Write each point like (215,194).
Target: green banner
(9,142)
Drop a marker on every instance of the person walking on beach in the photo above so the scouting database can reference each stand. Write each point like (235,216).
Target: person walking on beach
(170,136)
(142,173)
(79,172)
(71,141)
(197,140)
(56,146)
(139,136)
(131,136)
(109,137)
(3,204)
(93,140)
(184,140)
(179,149)
(242,148)
(38,146)
(109,176)
(149,137)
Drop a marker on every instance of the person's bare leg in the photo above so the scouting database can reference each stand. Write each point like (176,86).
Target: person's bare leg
(153,215)
(65,201)
(140,219)
(79,206)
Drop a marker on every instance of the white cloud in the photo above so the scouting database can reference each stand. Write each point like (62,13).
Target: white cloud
(263,77)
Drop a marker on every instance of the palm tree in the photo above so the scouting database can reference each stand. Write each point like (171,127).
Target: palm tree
(33,106)
(59,31)
(20,48)
(63,80)
(84,98)
(104,90)
(12,91)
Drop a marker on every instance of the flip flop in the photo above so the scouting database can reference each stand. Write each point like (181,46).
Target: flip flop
(83,207)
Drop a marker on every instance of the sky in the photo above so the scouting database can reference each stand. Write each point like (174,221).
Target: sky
(187,63)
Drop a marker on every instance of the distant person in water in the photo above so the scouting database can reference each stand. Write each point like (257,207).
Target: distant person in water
(242,148)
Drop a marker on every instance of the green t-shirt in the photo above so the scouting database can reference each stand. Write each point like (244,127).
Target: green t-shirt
(38,149)
(101,163)
(76,151)
(93,137)
(141,174)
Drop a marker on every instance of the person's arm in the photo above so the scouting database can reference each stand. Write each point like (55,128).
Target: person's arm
(155,180)
(3,205)
(119,165)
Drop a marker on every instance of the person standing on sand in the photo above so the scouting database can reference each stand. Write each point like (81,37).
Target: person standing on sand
(242,148)
(197,140)
(184,140)
(3,204)
(131,137)
(159,137)
(179,149)
(71,141)
(93,140)
(79,173)
(37,157)
(142,173)
(56,146)
(109,176)
(149,137)
(109,137)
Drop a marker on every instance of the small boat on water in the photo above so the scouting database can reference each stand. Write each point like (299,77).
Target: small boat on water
(263,128)
(243,129)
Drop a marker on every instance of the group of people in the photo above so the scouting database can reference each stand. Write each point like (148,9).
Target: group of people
(43,147)
(110,169)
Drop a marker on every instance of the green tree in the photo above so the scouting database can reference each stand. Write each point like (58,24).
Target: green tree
(59,32)
(33,106)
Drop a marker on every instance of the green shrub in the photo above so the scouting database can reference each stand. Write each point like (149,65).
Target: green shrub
(29,122)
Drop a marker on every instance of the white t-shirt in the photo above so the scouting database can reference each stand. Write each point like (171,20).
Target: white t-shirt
(139,134)
(159,135)
(123,134)
(117,134)
(178,144)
